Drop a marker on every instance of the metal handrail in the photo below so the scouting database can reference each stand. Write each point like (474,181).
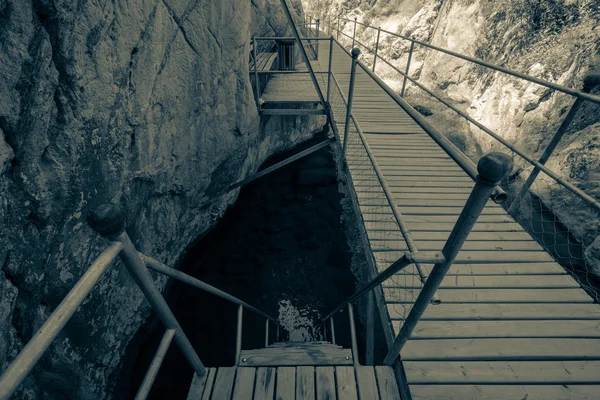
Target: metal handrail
(197,283)
(492,168)
(407,259)
(463,161)
(109,221)
(22,365)
(542,82)
(386,190)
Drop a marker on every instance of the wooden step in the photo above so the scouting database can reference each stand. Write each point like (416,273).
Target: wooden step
(301,383)
(296,354)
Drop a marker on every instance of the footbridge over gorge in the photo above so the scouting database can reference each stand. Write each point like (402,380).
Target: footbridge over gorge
(482,291)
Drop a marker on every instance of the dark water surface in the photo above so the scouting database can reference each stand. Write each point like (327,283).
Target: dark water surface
(281,248)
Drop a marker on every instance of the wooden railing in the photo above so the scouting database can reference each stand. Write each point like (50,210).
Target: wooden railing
(110,222)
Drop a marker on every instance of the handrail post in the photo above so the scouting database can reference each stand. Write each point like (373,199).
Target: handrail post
(370,350)
(329,71)
(266,332)
(354,32)
(376,48)
(355,54)
(332,328)
(412,46)
(238,334)
(492,169)
(256,81)
(109,221)
(589,82)
(353,335)
(318,41)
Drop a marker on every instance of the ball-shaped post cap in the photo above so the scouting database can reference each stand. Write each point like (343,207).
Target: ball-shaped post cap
(591,81)
(494,167)
(355,52)
(107,219)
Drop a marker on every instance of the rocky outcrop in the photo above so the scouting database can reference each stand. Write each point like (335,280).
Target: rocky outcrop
(556,40)
(146,103)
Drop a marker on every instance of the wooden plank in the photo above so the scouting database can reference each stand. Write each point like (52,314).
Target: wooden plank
(506,296)
(474,257)
(493,236)
(296,357)
(519,349)
(197,386)
(210,380)
(367,385)
(223,387)
(479,282)
(346,383)
(468,311)
(386,381)
(292,111)
(325,383)
(265,383)
(244,384)
(504,329)
(478,392)
(305,383)
(394,244)
(521,372)
(286,383)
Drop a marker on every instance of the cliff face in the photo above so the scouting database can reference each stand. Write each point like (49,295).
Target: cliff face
(146,103)
(556,40)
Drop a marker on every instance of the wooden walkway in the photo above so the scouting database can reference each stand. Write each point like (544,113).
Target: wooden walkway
(306,383)
(511,322)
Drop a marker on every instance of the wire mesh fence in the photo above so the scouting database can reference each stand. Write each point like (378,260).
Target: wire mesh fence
(381,227)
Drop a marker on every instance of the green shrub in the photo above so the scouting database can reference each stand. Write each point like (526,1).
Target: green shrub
(545,16)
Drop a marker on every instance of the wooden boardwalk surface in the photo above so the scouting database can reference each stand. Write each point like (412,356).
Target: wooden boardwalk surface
(511,323)
(306,383)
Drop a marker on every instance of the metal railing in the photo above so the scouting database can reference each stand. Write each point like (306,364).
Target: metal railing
(492,168)
(530,199)
(110,222)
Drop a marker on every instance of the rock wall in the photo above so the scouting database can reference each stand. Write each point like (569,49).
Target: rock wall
(556,40)
(146,103)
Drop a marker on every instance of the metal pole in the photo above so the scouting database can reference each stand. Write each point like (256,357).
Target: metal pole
(329,71)
(238,334)
(109,221)
(20,367)
(376,48)
(353,335)
(354,33)
(332,326)
(589,83)
(370,350)
(355,54)
(412,46)
(266,332)
(318,33)
(492,168)
(399,264)
(256,81)
(157,361)
(309,67)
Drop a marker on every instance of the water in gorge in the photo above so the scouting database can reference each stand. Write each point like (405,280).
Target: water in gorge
(281,248)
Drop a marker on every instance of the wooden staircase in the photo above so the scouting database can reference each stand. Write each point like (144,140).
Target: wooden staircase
(296,370)
(296,354)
